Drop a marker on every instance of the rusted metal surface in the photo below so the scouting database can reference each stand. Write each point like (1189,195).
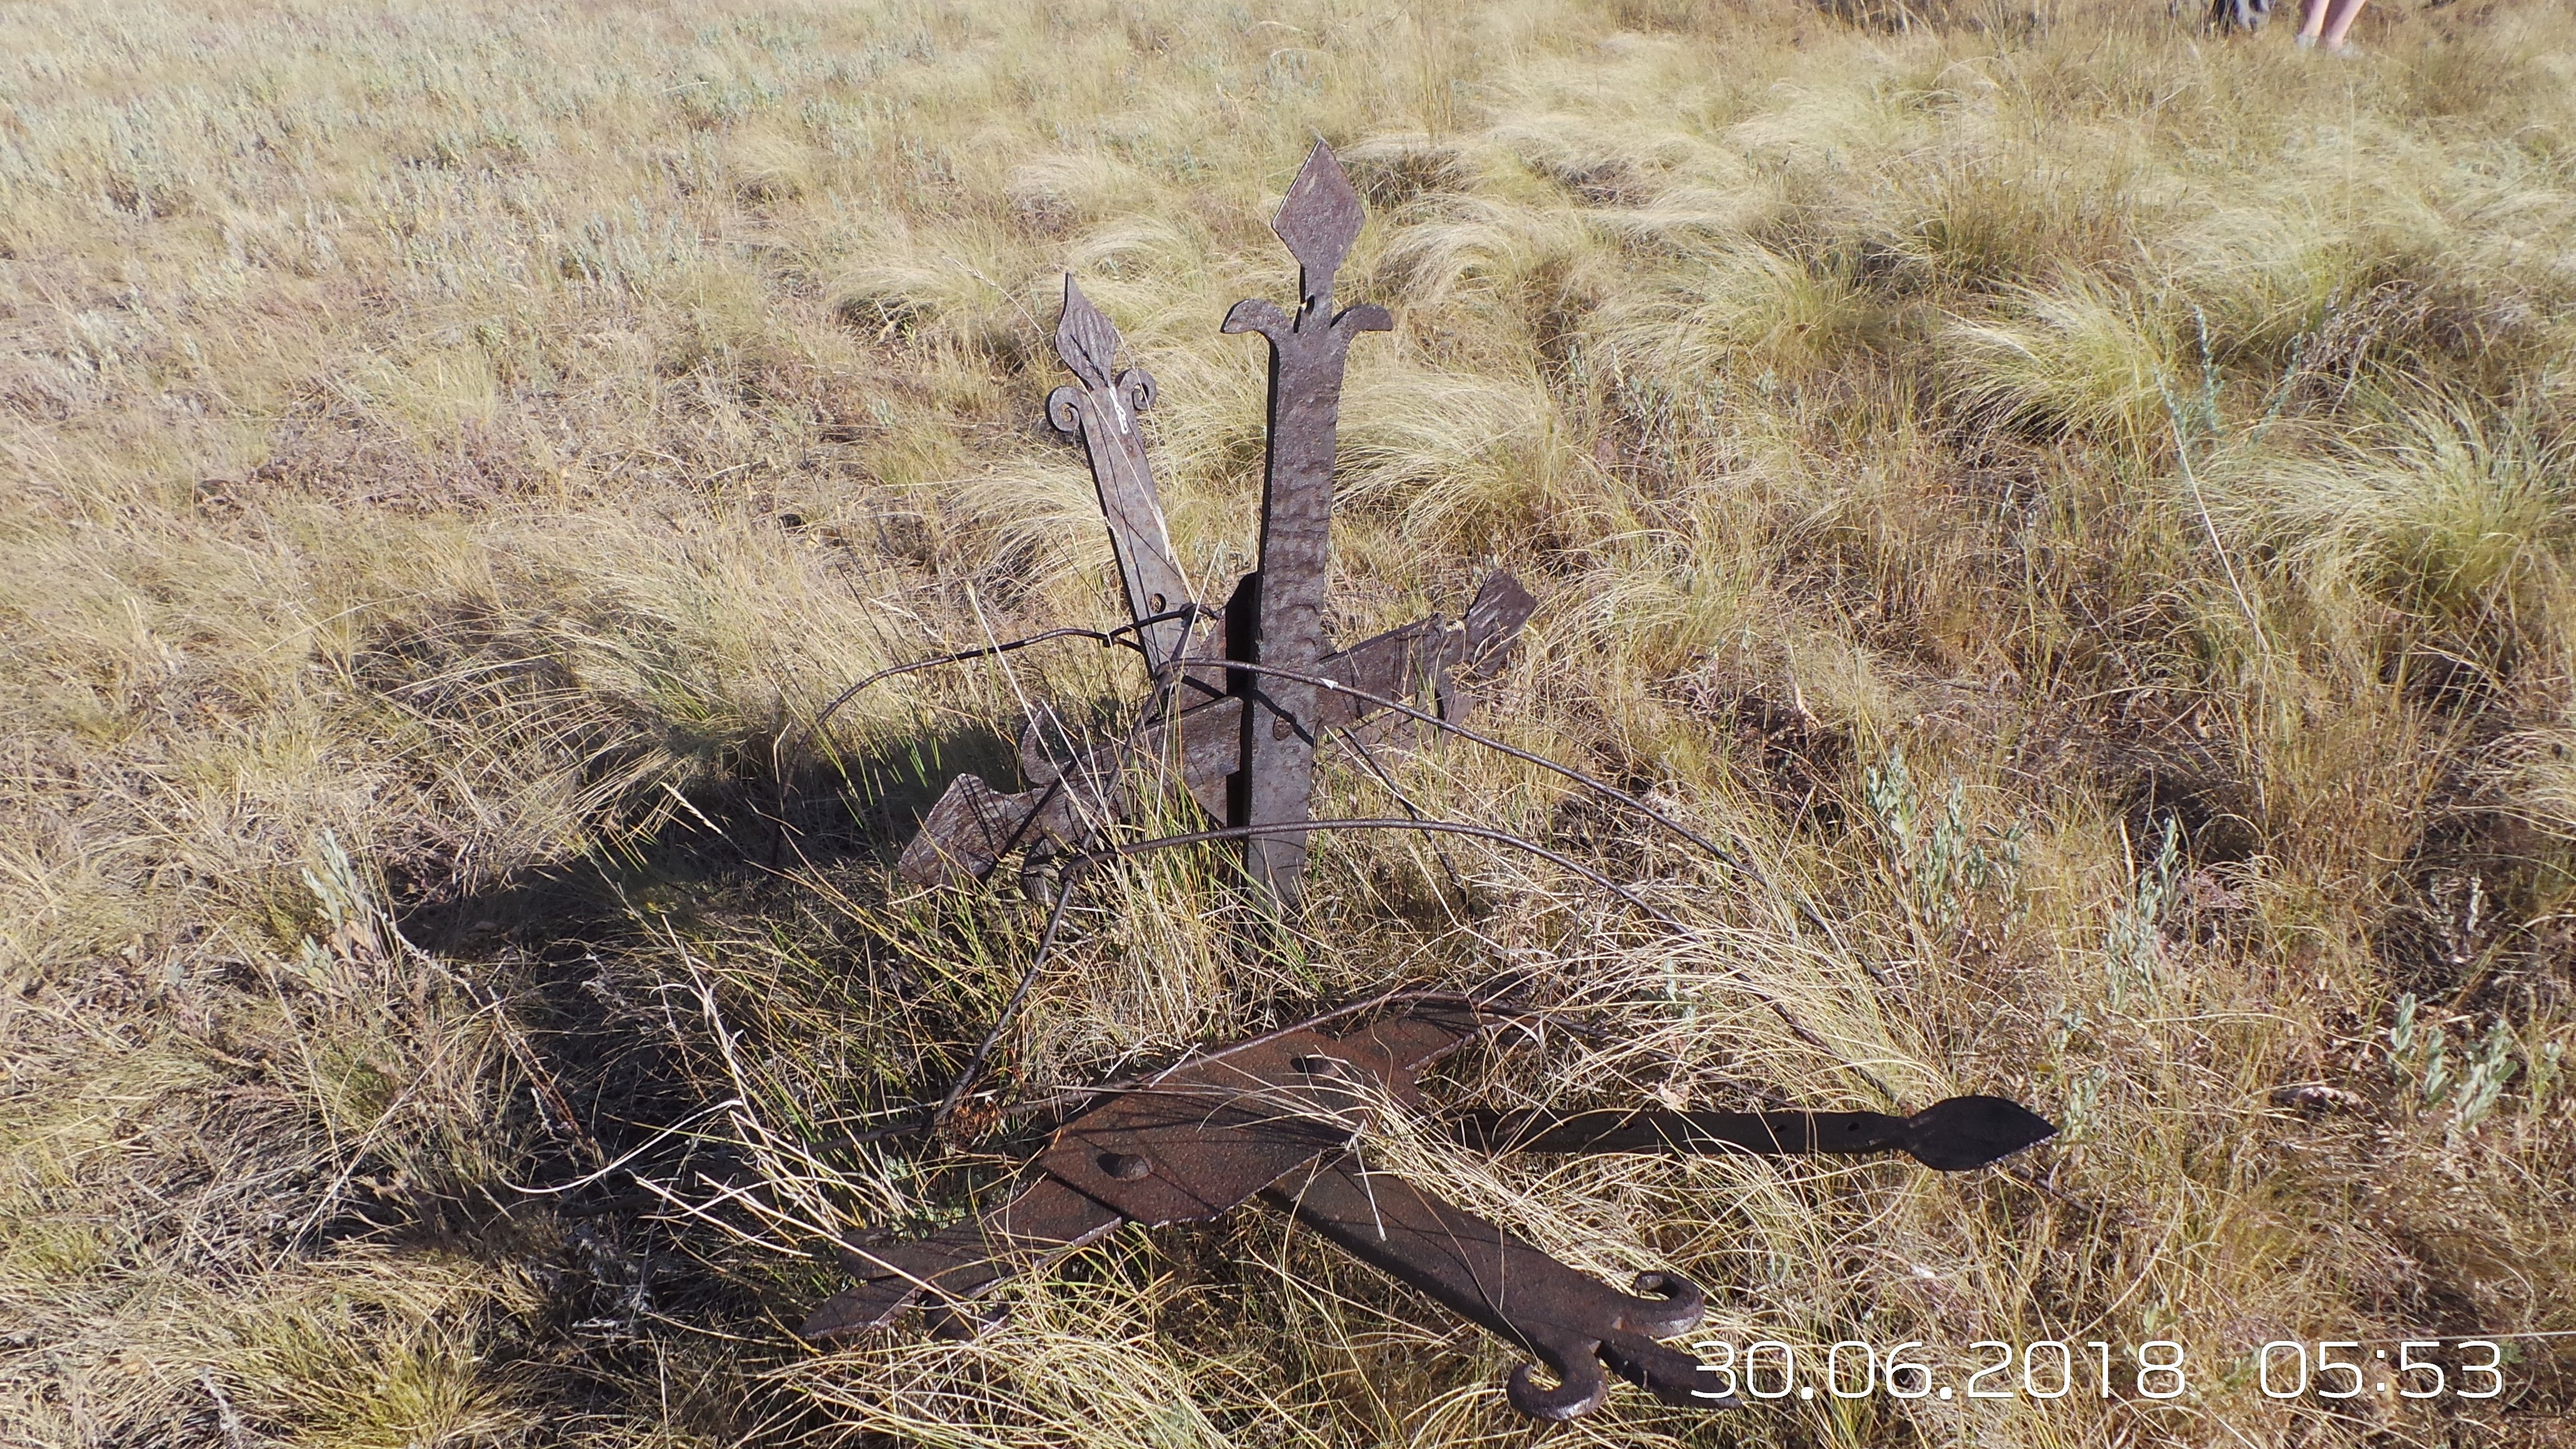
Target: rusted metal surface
(973,826)
(1279,1117)
(1954,1135)
(1211,1133)
(1040,1223)
(1482,1273)
(968,832)
(1202,1140)
(1319,220)
(1103,412)
(1241,744)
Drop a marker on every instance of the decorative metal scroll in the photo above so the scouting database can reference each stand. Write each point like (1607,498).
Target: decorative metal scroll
(1241,743)
(1279,1117)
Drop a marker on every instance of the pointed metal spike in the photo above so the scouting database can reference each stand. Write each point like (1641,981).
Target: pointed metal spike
(1085,339)
(1965,1132)
(1319,220)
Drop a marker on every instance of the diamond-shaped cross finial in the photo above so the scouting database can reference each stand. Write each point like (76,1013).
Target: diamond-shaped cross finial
(1319,220)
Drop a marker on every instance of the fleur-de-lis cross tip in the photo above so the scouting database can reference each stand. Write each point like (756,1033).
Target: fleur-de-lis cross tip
(1086,340)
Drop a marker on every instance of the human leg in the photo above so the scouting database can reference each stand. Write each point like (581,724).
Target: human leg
(2339,23)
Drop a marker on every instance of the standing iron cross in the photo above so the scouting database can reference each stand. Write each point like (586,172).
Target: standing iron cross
(1242,739)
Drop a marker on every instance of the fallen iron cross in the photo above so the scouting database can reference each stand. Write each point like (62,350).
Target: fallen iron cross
(1279,1117)
(1241,742)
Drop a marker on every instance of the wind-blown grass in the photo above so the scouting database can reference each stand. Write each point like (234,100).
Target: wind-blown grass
(2079,502)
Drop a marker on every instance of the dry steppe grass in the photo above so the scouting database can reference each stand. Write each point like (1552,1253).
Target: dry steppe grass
(2084,502)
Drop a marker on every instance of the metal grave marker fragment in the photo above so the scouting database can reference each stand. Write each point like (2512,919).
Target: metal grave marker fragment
(1241,742)
(1281,1116)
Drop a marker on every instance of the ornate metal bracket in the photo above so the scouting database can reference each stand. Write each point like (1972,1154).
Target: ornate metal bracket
(1278,1117)
(1242,743)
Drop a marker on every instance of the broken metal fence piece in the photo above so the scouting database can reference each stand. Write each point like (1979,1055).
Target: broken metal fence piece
(1280,1116)
(1240,741)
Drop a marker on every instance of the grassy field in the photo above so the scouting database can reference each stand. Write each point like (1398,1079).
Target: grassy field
(2085,502)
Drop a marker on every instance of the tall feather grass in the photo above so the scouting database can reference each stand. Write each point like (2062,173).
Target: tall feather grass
(2079,502)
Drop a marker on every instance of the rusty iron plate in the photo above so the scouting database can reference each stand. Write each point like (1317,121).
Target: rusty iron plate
(1277,1116)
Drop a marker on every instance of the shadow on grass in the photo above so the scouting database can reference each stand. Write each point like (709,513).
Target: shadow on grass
(596,958)
(722,844)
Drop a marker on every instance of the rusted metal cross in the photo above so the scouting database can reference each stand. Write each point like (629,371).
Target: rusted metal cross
(1319,220)
(1244,694)
(1282,1117)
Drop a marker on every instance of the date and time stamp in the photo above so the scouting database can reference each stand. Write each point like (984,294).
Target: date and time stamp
(2043,1370)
